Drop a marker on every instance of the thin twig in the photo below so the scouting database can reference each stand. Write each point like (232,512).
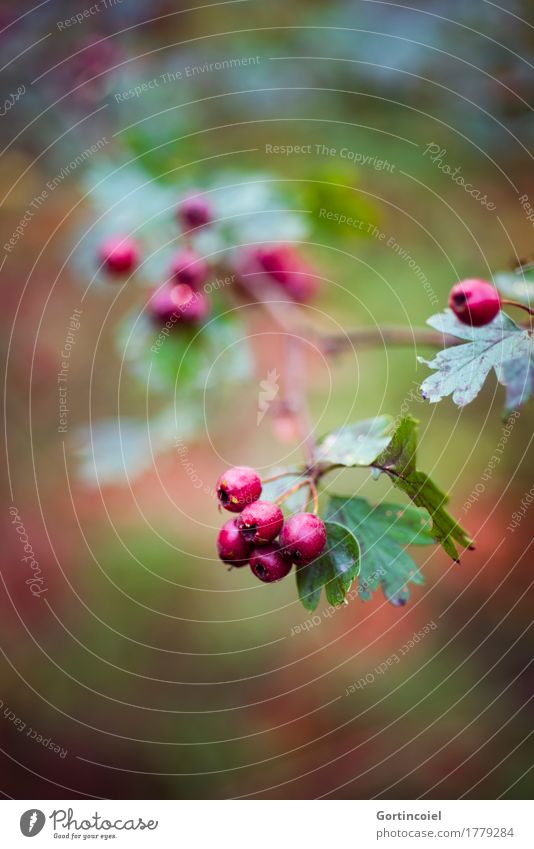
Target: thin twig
(366,337)
(315,495)
(277,477)
(292,491)
(518,305)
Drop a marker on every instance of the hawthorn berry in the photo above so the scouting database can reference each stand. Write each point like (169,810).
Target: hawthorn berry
(179,305)
(260,522)
(475,302)
(268,564)
(195,211)
(288,269)
(189,268)
(161,306)
(232,548)
(191,306)
(303,537)
(238,487)
(119,254)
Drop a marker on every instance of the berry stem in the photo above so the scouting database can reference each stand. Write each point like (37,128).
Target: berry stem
(315,496)
(293,490)
(517,304)
(277,477)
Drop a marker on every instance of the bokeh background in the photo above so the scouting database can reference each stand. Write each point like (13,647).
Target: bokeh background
(147,670)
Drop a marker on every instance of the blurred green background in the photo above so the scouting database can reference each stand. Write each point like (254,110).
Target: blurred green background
(160,674)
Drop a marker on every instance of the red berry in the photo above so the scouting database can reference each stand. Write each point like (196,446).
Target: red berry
(288,269)
(303,537)
(189,268)
(195,211)
(475,302)
(302,286)
(238,487)
(119,254)
(179,304)
(232,548)
(162,307)
(191,306)
(268,564)
(260,522)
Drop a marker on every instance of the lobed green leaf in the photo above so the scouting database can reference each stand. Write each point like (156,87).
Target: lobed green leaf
(461,370)
(355,444)
(382,531)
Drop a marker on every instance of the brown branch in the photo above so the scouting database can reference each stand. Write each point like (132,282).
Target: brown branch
(285,316)
(388,334)
(296,399)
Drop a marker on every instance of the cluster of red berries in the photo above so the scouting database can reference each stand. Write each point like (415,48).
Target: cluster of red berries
(181,300)
(475,302)
(252,537)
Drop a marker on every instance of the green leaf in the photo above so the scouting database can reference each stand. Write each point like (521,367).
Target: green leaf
(184,358)
(117,451)
(382,531)
(335,569)
(310,581)
(355,444)
(399,462)
(462,369)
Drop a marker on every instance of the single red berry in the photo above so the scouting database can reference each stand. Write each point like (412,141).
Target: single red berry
(303,537)
(195,211)
(260,522)
(162,307)
(192,307)
(475,302)
(119,254)
(189,268)
(232,548)
(285,265)
(238,487)
(268,564)
(302,286)
(179,304)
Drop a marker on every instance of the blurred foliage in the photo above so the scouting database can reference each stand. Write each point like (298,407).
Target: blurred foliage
(145,637)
